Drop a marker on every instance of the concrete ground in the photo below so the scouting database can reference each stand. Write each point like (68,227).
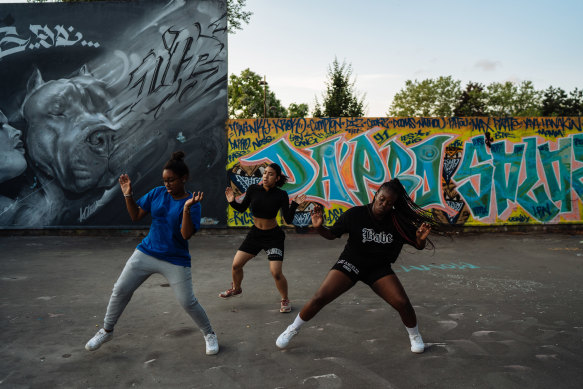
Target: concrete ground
(496,311)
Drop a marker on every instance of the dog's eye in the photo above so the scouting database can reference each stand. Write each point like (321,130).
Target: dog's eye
(96,139)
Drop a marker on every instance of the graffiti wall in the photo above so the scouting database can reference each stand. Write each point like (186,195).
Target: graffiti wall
(92,90)
(470,171)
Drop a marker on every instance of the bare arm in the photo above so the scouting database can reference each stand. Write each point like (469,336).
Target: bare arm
(136,213)
(239,207)
(318,224)
(188,229)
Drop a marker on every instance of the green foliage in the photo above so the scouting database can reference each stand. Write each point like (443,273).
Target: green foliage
(510,99)
(246,97)
(236,15)
(298,110)
(442,97)
(340,99)
(472,101)
(430,97)
(556,102)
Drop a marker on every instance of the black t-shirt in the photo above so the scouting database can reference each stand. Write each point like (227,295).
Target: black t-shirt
(370,239)
(266,203)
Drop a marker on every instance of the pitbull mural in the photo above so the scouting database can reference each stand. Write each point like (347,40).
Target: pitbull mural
(94,90)
(70,142)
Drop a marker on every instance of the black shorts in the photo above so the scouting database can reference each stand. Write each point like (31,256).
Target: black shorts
(359,270)
(269,240)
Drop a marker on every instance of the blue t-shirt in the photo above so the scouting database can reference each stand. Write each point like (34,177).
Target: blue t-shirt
(164,241)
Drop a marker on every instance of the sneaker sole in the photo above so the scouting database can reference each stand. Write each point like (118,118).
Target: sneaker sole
(212,352)
(98,347)
(228,297)
(285,310)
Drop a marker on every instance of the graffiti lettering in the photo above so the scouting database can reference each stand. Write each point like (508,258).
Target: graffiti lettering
(86,212)
(479,124)
(177,72)
(551,133)
(382,137)
(235,156)
(245,182)
(519,219)
(239,144)
(42,37)
(243,219)
(258,143)
(302,219)
(521,177)
(413,137)
(508,124)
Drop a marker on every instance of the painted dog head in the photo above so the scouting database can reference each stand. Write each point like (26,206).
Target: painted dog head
(69,136)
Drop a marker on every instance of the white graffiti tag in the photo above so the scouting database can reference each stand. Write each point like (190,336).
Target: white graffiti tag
(42,37)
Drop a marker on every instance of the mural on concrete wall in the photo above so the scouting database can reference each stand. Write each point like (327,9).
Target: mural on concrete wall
(92,90)
(471,171)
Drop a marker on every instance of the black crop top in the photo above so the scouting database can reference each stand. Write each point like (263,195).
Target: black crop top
(265,204)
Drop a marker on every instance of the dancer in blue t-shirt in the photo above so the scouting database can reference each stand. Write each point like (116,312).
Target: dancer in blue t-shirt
(175,218)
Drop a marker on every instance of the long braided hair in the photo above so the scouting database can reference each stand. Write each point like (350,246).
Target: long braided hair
(407,215)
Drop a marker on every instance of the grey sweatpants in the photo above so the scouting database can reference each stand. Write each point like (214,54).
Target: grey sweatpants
(138,268)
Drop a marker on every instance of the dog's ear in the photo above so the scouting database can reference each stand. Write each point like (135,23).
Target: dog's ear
(34,81)
(84,71)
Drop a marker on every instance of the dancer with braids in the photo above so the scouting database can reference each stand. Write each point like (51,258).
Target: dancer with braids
(265,200)
(376,234)
(175,218)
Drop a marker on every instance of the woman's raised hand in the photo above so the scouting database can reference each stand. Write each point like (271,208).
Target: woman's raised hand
(317,216)
(196,197)
(300,199)
(125,184)
(229,194)
(423,231)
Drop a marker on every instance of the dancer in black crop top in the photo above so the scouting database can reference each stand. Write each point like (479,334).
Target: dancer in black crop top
(265,200)
(376,234)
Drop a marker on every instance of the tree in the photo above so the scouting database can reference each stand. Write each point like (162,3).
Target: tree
(340,99)
(575,103)
(510,99)
(526,101)
(247,99)
(556,102)
(430,97)
(236,14)
(553,102)
(298,110)
(472,101)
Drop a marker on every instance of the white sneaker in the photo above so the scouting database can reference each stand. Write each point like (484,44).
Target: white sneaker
(212,344)
(98,339)
(417,345)
(285,337)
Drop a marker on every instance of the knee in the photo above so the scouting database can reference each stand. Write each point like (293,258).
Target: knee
(188,303)
(402,304)
(319,300)
(277,275)
(237,267)
(120,290)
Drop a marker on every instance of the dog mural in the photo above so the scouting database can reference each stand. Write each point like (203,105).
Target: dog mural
(70,145)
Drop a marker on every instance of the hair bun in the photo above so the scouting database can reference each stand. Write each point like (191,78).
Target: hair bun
(178,156)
